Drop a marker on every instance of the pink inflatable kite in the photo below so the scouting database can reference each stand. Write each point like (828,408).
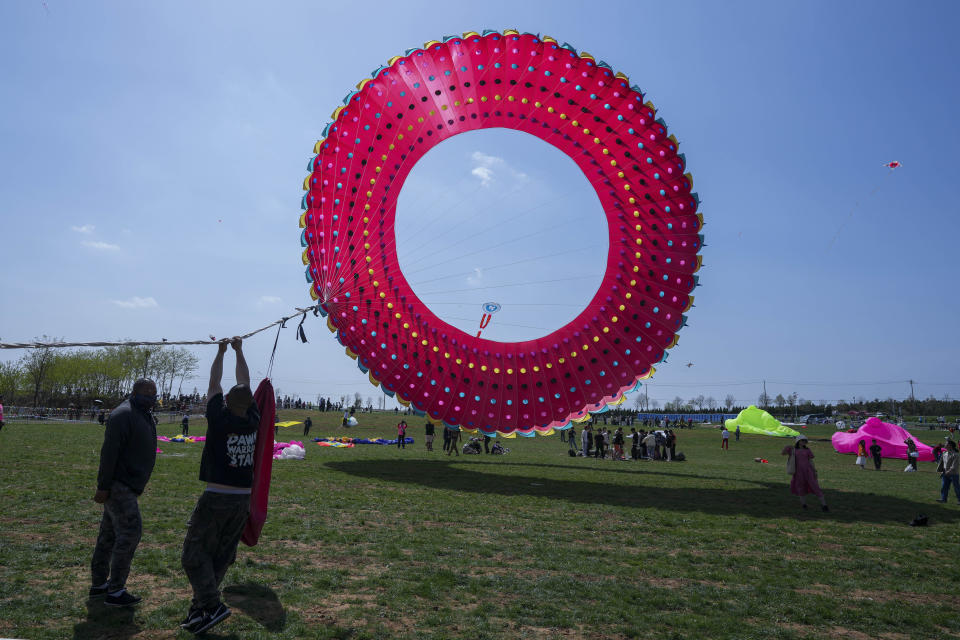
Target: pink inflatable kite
(568,99)
(890,437)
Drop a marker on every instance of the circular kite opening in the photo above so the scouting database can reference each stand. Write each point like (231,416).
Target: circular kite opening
(568,99)
(500,215)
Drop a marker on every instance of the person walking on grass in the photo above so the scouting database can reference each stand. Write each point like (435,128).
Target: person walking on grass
(127,457)
(861,455)
(454,434)
(800,466)
(220,515)
(307,424)
(737,432)
(949,468)
(402,435)
(724,438)
(875,451)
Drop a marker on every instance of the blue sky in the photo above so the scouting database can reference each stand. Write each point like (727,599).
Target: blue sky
(153,154)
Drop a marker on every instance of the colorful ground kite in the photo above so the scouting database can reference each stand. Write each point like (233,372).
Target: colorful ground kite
(758,421)
(890,437)
(182,438)
(288,423)
(568,99)
(349,442)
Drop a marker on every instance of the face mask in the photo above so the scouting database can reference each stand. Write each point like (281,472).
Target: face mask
(143,401)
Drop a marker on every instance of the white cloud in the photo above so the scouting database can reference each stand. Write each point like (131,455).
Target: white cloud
(136,303)
(484,167)
(477,278)
(100,246)
(87,228)
(268,300)
(485,175)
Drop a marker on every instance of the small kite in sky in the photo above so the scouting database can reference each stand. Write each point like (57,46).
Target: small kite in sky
(893,165)
(689,364)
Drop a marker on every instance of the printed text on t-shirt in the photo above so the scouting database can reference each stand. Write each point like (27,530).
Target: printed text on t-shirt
(240,449)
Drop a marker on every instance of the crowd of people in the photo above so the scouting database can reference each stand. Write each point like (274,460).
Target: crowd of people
(601,442)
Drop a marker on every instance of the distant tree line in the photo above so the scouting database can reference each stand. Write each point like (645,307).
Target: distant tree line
(793,405)
(48,377)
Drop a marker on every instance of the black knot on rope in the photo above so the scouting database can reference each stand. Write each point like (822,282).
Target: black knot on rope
(300,334)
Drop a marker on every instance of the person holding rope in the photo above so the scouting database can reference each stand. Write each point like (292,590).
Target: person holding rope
(127,457)
(221,513)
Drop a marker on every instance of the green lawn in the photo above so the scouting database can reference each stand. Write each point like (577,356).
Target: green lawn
(375,542)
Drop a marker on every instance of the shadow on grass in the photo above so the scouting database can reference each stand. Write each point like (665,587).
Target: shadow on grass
(258,602)
(106,623)
(762,500)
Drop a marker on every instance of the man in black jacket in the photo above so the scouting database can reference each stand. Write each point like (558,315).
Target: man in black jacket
(226,465)
(126,461)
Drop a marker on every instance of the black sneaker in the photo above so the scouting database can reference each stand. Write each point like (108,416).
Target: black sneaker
(210,619)
(193,616)
(125,599)
(98,592)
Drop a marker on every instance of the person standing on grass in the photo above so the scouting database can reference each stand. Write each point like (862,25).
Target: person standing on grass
(585,440)
(875,451)
(307,423)
(800,465)
(454,433)
(672,444)
(634,444)
(572,438)
(185,425)
(428,431)
(912,455)
(127,457)
(598,444)
(861,455)
(221,512)
(618,444)
(402,435)
(590,438)
(949,468)
(725,438)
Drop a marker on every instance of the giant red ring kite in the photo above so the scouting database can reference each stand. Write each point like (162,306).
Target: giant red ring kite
(568,99)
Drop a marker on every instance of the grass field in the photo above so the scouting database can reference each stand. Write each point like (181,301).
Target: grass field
(375,542)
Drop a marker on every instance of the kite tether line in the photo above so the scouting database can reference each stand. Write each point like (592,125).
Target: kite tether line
(142,343)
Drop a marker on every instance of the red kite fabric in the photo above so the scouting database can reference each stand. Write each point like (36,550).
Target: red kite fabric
(568,99)
(262,463)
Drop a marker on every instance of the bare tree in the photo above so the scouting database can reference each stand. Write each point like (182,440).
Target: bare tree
(699,402)
(729,401)
(780,401)
(711,403)
(764,400)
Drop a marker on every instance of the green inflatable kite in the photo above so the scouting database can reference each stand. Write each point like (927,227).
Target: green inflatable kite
(753,420)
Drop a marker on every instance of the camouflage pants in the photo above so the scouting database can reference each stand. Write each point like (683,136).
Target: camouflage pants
(210,547)
(120,531)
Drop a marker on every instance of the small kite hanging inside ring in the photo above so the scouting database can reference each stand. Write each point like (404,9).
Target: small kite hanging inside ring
(489,308)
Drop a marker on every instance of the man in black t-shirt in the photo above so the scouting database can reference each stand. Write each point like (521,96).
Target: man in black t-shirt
(220,516)
(307,423)
(428,431)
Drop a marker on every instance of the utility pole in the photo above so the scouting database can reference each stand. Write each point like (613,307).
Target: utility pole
(913,400)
